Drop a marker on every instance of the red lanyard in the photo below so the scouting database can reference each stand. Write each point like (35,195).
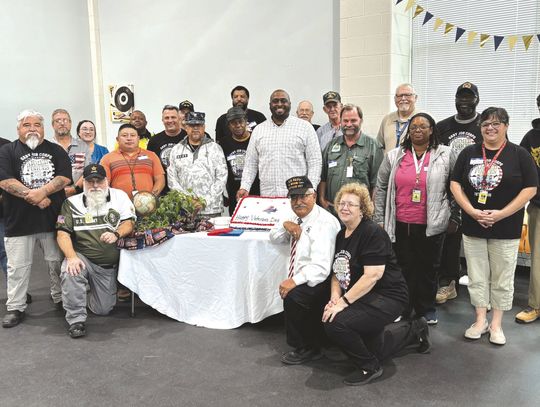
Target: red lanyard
(488,166)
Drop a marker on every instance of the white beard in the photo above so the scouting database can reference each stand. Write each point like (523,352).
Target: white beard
(95,199)
(32,141)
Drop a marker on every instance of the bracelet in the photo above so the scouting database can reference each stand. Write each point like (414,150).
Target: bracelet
(117,235)
(345,300)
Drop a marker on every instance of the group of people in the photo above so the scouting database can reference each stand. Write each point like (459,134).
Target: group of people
(404,200)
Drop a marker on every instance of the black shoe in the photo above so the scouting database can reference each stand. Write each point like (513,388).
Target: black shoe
(421,328)
(12,318)
(28,298)
(301,355)
(77,330)
(360,377)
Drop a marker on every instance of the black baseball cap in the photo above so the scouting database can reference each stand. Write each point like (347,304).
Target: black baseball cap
(298,185)
(468,87)
(92,171)
(186,104)
(235,113)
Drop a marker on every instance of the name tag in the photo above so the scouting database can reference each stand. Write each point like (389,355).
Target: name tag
(142,157)
(475,161)
(332,164)
(349,173)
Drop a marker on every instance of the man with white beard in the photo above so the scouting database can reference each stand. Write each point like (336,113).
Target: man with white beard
(33,175)
(89,226)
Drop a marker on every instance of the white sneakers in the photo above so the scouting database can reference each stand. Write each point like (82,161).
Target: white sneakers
(495,336)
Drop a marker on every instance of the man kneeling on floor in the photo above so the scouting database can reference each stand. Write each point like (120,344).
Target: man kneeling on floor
(88,226)
(312,234)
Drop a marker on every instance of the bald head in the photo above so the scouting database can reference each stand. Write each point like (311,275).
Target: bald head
(305,110)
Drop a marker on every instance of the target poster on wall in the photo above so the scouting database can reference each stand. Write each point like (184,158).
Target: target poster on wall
(122,102)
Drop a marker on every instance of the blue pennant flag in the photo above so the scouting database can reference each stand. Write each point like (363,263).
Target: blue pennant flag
(497,39)
(459,33)
(427,17)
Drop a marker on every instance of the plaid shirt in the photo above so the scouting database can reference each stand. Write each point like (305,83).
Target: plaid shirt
(281,152)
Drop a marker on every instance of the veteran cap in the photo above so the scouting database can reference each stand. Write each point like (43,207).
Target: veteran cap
(468,87)
(195,118)
(331,97)
(298,185)
(94,171)
(186,104)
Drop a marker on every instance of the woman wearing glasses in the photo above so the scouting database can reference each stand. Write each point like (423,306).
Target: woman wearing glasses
(412,204)
(492,182)
(87,133)
(368,291)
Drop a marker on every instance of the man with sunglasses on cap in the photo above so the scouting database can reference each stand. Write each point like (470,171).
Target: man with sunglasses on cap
(197,164)
(311,235)
(89,225)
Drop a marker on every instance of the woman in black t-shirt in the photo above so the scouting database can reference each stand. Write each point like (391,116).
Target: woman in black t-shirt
(492,182)
(368,291)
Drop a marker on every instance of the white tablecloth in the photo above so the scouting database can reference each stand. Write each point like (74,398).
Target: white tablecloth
(211,281)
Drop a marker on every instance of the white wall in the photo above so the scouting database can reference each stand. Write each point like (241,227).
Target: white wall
(173,50)
(45,60)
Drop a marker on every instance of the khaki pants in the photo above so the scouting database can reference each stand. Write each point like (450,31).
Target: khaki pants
(20,251)
(491,265)
(534,240)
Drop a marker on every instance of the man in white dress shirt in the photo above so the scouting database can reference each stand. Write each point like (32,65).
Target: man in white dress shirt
(280,148)
(312,235)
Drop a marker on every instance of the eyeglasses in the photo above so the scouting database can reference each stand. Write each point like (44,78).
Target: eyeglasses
(282,101)
(342,205)
(421,128)
(404,95)
(486,125)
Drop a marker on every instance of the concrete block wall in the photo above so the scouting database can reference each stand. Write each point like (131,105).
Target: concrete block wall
(374,55)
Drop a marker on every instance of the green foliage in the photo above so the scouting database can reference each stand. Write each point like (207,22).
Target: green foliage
(173,207)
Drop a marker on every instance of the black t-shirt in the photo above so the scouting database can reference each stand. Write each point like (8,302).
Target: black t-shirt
(513,171)
(2,142)
(222,126)
(315,126)
(531,143)
(369,245)
(459,135)
(161,145)
(235,155)
(34,169)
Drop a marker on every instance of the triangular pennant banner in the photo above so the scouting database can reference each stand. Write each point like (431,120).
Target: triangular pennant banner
(398,1)
(429,16)
(527,41)
(438,23)
(483,39)
(410,3)
(448,27)
(459,33)
(418,11)
(497,39)
(470,37)
(512,42)
(538,36)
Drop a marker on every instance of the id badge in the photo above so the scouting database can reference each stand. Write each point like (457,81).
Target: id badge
(88,218)
(483,196)
(416,195)
(349,173)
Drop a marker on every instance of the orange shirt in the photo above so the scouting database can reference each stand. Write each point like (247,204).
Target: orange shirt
(143,164)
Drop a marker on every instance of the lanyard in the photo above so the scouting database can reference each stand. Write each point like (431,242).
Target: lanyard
(418,164)
(132,168)
(400,130)
(488,166)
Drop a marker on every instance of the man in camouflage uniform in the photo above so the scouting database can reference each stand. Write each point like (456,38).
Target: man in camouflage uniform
(198,163)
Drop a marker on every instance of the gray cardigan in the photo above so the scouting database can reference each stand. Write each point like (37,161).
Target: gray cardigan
(441,163)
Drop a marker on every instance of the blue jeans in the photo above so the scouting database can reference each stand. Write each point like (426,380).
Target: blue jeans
(3,255)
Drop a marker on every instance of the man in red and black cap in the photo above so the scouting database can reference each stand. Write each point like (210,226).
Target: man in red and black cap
(89,225)
(311,235)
